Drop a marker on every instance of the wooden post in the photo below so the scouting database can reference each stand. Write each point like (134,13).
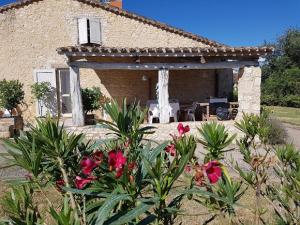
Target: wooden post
(77,108)
(163,96)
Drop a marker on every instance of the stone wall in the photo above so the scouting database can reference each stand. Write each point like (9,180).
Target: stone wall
(186,86)
(30,35)
(249,90)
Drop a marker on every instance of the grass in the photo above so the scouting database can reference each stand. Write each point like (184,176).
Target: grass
(286,114)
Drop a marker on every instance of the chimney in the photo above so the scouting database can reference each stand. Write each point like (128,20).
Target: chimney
(116,3)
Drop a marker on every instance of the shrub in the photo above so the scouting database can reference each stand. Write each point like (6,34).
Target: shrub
(215,138)
(127,122)
(42,93)
(41,90)
(261,158)
(277,133)
(91,99)
(11,94)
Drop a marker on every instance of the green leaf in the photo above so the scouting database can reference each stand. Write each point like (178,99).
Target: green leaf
(105,210)
(148,220)
(131,215)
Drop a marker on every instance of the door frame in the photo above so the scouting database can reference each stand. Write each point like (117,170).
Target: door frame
(58,83)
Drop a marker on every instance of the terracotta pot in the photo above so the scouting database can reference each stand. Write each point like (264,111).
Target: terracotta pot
(10,126)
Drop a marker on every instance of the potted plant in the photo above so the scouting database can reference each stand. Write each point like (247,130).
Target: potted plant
(11,96)
(41,92)
(91,102)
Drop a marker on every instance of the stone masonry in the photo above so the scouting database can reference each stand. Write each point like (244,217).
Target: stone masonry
(30,35)
(249,90)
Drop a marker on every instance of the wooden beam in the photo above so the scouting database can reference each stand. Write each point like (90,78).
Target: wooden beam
(163,96)
(77,107)
(157,66)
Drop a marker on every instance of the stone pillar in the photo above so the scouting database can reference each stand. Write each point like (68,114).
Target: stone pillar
(77,108)
(163,96)
(249,91)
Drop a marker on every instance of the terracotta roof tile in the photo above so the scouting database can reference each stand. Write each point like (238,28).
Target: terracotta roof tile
(182,52)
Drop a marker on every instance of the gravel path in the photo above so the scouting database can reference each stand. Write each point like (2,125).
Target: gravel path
(293,134)
(11,172)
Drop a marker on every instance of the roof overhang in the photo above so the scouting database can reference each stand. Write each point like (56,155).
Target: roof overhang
(90,51)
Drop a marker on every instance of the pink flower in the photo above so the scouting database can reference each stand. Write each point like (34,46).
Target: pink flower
(127,143)
(88,165)
(199,175)
(132,166)
(171,149)
(182,129)
(59,184)
(116,160)
(187,168)
(213,171)
(80,182)
(98,156)
(119,173)
(131,179)
(28,176)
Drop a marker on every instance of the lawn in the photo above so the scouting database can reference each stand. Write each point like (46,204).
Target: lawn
(286,114)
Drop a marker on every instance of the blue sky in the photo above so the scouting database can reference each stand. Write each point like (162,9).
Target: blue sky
(233,22)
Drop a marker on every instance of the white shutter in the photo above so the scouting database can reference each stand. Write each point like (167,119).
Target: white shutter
(95,31)
(83,31)
(50,106)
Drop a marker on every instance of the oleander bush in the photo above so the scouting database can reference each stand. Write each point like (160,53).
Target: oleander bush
(129,179)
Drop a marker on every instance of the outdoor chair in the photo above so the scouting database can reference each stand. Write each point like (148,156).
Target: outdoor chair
(233,113)
(222,113)
(153,113)
(173,111)
(220,108)
(191,112)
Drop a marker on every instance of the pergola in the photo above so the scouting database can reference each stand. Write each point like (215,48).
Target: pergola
(163,60)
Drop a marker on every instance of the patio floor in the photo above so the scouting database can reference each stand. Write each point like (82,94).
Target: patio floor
(162,131)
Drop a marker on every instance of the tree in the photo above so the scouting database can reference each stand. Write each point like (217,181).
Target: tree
(41,91)
(290,45)
(91,99)
(11,94)
(281,75)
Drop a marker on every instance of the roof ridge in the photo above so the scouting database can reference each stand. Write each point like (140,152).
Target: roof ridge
(130,15)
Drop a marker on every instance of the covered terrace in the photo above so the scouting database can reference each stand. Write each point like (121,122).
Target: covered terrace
(185,74)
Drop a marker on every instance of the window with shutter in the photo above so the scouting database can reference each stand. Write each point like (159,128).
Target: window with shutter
(89,31)
(95,31)
(83,31)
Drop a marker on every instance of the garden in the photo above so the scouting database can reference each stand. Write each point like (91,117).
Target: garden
(131,180)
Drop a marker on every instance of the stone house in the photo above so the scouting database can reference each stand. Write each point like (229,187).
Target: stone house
(85,43)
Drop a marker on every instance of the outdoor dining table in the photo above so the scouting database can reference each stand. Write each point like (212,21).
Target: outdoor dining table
(206,115)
